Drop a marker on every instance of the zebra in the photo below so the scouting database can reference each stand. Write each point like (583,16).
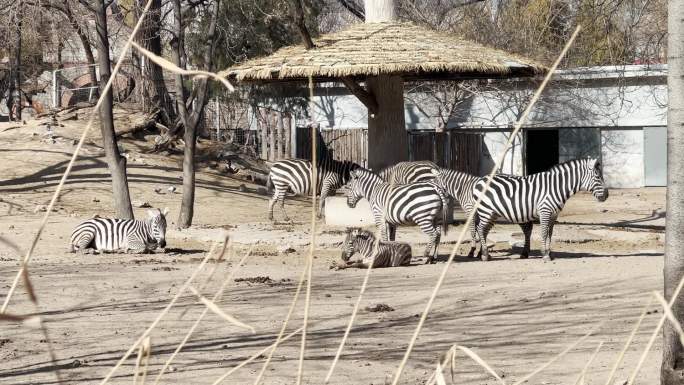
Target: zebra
(388,254)
(295,175)
(537,196)
(409,172)
(418,203)
(459,186)
(127,235)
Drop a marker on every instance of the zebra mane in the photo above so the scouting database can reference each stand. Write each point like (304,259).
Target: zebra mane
(583,161)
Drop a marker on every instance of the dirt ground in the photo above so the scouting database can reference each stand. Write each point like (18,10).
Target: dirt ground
(516,314)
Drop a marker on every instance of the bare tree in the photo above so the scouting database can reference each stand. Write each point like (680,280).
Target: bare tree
(115,162)
(191,112)
(672,369)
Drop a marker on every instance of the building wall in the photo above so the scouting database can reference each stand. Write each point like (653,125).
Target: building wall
(622,154)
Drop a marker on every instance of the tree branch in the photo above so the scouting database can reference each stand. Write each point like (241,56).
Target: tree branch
(357,11)
(301,25)
(362,94)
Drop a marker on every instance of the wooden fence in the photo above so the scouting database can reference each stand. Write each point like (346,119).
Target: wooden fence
(348,144)
(455,150)
(275,134)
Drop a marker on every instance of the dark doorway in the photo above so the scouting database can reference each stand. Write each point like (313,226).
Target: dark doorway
(541,150)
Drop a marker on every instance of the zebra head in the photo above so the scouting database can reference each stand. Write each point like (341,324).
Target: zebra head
(438,175)
(157,222)
(592,179)
(358,179)
(348,247)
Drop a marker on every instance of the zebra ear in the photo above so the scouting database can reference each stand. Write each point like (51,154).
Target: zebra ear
(592,163)
(165,212)
(436,172)
(152,213)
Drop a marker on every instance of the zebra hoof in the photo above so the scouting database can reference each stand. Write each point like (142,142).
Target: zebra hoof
(485,257)
(524,256)
(429,260)
(547,258)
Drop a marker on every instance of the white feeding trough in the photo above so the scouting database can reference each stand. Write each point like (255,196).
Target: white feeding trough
(337,213)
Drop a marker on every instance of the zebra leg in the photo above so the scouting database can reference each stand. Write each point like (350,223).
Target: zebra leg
(483,228)
(392,229)
(527,231)
(135,245)
(546,228)
(434,243)
(474,240)
(271,203)
(325,190)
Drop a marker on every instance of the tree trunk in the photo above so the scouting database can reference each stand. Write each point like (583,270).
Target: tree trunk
(191,119)
(377,11)
(672,369)
(387,136)
(17,58)
(154,93)
(115,162)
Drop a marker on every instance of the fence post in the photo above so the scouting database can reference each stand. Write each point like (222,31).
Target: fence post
(217,118)
(287,135)
(281,139)
(272,135)
(55,89)
(292,124)
(263,128)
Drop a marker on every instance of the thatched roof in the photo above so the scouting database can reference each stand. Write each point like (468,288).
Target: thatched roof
(386,48)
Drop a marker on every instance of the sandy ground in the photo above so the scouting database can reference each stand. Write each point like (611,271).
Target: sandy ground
(516,314)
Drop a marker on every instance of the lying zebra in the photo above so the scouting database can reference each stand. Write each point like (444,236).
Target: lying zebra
(537,196)
(388,254)
(295,175)
(420,203)
(124,235)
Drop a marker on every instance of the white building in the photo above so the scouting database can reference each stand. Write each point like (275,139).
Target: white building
(617,114)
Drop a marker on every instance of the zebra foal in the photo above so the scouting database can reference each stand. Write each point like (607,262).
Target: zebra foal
(388,254)
(420,203)
(538,196)
(296,175)
(127,235)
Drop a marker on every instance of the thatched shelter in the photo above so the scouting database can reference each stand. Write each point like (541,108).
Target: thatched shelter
(381,54)
(387,48)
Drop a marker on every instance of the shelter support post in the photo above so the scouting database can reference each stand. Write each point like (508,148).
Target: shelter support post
(387,135)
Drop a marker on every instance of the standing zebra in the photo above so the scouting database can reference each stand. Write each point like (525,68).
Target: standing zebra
(537,196)
(295,175)
(127,235)
(409,172)
(388,254)
(419,203)
(459,185)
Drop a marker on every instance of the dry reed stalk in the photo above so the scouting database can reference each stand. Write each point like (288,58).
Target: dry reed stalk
(167,65)
(160,316)
(34,300)
(211,305)
(255,356)
(279,339)
(611,376)
(557,356)
(199,319)
(86,130)
(516,129)
(226,247)
(583,373)
(143,356)
(670,316)
(654,335)
(309,258)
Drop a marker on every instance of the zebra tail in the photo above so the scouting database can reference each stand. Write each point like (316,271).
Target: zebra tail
(445,209)
(269,184)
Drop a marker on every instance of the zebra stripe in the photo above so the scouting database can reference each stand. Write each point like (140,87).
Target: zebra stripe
(295,175)
(112,234)
(388,254)
(537,196)
(409,172)
(419,203)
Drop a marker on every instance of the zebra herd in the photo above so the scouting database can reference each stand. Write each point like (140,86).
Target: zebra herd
(407,193)
(418,193)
